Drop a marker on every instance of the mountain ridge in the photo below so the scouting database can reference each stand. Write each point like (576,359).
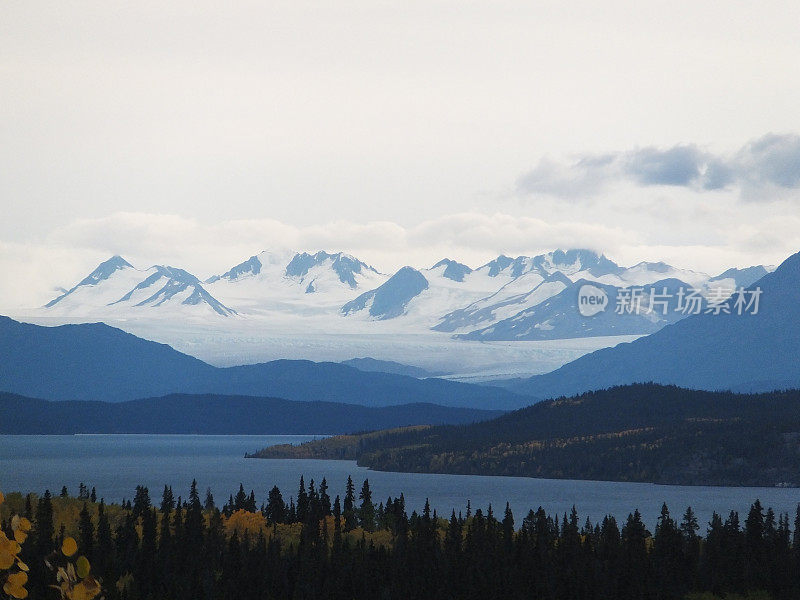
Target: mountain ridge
(213,414)
(99,362)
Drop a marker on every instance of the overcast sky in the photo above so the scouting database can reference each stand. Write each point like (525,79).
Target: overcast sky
(199,133)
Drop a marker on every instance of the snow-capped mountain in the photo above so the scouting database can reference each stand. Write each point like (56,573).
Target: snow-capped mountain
(525,291)
(536,279)
(281,282)
(506,299)
(117,288)
(655,305)
(89,291)
(169,285)
(418,298)
(452,269)
(390,299)
(750,351)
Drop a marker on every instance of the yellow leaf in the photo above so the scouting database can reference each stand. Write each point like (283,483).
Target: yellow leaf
(20,536)
(14,585)
(82,566)
(15,591)
(18,578)
(2,498)
(6,559)
(69,546)
(82,591)
(21,565)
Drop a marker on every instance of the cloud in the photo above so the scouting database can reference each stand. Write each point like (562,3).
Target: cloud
(684,234)
(772,161)
(585,176)
(680,165)
(763,169)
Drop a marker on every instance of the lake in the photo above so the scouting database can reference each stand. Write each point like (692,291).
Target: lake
(116,464)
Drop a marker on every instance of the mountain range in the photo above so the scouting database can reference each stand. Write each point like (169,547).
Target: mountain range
(506,299)
(756,350)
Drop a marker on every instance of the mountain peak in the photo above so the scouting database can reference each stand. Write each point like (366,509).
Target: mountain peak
(105,269)
(390,299)
(498,265)
(344,265)
(252,266)
(575,260)
(455,271)
(102,272)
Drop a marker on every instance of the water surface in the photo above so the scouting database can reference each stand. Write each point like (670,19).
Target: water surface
(116,464)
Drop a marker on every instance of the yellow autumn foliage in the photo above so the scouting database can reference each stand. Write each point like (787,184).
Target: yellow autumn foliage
(17,576)
(242,521)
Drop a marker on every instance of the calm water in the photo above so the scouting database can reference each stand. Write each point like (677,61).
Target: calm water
(116,464)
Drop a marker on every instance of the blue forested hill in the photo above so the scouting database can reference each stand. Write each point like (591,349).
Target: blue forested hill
(98,362)
(641,432)
(214,414)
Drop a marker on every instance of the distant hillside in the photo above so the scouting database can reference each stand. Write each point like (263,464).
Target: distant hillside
(90,362)
(644,432)
(748,352)
(212,414)
(373,365)
(98,362)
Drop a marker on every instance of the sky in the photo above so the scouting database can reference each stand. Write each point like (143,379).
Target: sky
(199,133)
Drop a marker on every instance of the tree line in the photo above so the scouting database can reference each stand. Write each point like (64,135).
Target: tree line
(315,546)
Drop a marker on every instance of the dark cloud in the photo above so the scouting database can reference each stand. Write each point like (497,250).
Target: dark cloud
(680,165)
(760,166)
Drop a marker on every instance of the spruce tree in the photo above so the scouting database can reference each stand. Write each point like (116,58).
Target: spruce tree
(348,508)
(366,512)
(141,501)
(167,501)
(103,563)
(86,533)
(240,501)
(324,498)
(302,502)
(276,507)
(40,545)
(145,574)
(508,528)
